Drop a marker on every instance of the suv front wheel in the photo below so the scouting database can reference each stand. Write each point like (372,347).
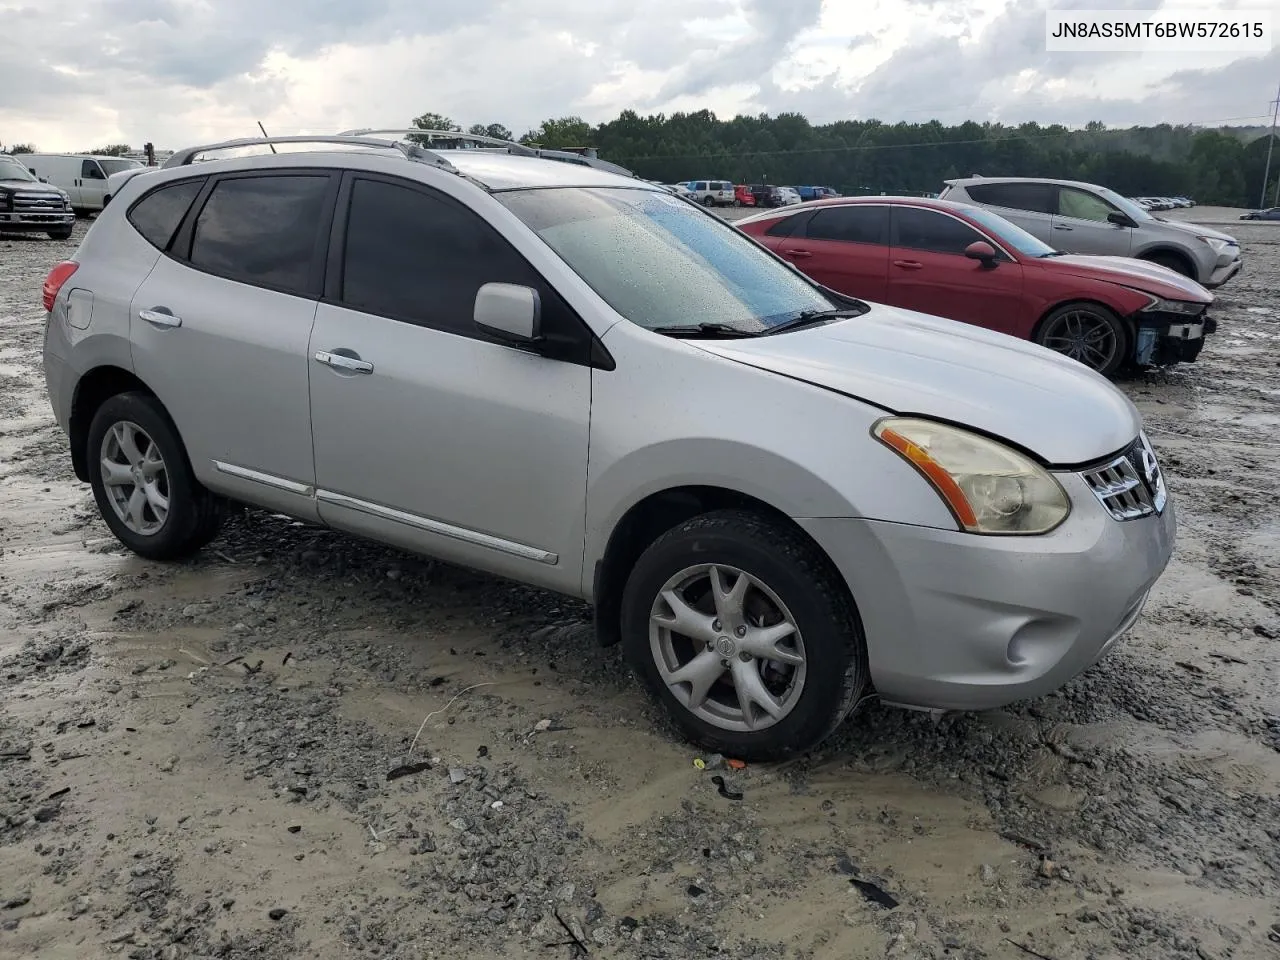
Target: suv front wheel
(745,632)
(143,483)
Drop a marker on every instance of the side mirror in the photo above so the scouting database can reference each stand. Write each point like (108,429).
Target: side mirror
(981,251)
(1120,219)
(510,312)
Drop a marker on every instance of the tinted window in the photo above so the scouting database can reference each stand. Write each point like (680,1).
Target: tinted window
(157,215)
(785,226)
(853,224)
(1082,205)
(89,170)
(1036,197)
(920,229)
(420,258)
(262,230)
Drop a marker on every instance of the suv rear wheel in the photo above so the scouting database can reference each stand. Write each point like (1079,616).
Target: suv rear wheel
(746,634)
(143,483)
(708,201)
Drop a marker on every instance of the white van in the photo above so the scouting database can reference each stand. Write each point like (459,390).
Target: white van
(83,176)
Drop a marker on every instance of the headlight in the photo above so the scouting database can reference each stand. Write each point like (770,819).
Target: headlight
(1217,244)
(1184,307)
(989,487)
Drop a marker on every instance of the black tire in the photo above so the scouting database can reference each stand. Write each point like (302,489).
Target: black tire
(808,584)
(59,234)
(1047,334)
(708,201)
(1174,262)
(194,514)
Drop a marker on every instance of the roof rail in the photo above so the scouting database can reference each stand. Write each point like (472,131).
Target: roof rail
(520,148)
(411,150)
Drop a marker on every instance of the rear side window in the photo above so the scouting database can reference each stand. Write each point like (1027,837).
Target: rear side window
(920,229)
(263,230)
(1035,197)
(852,224)
(157,215)
(785,226)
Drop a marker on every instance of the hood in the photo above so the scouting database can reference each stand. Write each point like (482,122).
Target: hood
(1197,230)
(1140,274)
(911,363)
(30,186)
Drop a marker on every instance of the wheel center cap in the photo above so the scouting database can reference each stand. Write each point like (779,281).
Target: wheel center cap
(726,646)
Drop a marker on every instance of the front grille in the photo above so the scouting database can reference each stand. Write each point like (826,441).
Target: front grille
(1131,485)
(38,203)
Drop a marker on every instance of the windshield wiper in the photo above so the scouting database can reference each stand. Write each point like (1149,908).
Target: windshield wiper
(1053,253)
(808,318)
(706,330)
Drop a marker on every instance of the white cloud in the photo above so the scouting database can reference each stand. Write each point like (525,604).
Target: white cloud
(77,73)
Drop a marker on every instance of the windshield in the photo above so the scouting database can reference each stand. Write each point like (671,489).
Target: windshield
(1134,210)
(662,263)
(112,165)
(12,169)
(1010,234)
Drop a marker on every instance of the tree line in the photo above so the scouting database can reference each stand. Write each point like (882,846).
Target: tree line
(1217,166)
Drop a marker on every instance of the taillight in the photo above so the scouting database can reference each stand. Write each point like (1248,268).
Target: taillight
(59,275)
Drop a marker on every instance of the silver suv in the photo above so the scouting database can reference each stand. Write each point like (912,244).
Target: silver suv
(780,500)
(1085,218)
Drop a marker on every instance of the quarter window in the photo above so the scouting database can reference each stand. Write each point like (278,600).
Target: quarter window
(920,229)
(157,215)
(263,230)
(852,224)
(1082,205)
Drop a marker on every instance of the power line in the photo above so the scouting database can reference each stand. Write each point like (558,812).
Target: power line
(854,148)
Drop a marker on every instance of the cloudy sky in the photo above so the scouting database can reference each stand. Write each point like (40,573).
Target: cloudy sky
(78,73)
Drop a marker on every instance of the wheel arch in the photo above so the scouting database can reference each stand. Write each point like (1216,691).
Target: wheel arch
(1173,253)
(648,519)
(1125,319)
(92,391)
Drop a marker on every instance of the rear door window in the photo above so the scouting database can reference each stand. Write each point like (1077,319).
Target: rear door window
(919,229)
(265,231)
(853,224)
(157,215)
(1034,197)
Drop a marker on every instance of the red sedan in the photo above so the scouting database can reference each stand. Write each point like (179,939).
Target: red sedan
(966,263)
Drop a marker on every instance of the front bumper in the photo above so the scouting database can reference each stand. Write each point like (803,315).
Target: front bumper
(955,621)
(1224,272)
(33,222)
(1164,341)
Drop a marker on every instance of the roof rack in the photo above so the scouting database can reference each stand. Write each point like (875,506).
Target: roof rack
(519,148)
(410,150)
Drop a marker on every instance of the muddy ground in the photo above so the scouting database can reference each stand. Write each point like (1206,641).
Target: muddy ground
(194,759)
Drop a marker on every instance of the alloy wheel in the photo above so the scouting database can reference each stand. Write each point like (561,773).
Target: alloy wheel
(135,478)
(1083,335)
(727,647)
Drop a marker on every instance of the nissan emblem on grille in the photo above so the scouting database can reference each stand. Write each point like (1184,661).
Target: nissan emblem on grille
(1130,486)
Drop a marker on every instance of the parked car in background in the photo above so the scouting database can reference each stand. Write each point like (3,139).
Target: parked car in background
(29,206)
(742,196)
(788,197)
(712,193)
(1272,214)
(766,195)
(82,176)
(964,521)
(679,189)
(966,263)
(1085,218)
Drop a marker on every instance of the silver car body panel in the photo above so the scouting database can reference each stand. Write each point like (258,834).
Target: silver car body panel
(523,466)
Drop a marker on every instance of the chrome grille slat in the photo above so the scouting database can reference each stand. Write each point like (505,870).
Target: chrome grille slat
(1129,486)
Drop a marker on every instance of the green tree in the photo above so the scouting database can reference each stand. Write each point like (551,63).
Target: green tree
(431,121)
(111,150)
(22,148)
(563,132)
(495,130)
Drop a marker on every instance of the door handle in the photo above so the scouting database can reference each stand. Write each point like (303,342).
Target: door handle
(160,317)
(798,254)
(1060,227)
(340,362)
(908,264)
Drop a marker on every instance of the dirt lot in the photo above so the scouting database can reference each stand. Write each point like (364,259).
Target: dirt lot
(194,759)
